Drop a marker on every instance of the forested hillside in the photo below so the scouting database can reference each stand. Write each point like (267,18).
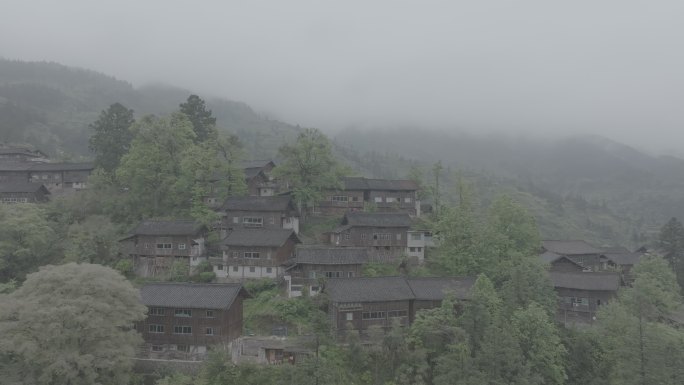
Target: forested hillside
(582,187)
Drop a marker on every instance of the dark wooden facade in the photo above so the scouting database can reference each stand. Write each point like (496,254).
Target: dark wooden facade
(23,192)
(363,193)
(580,294)
(383,234)
(254,212)
(360,304)
(204,315)
(256,253)
(155,246)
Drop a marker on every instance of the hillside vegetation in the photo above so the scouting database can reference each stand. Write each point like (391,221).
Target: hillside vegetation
(582,187)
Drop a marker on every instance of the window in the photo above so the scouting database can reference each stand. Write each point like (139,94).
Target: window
(397,313)
(272,220)
(236,219)
(378,199)
(209,331)
(412,249)
(235,254)
(181,246)
(312,274)
(399,237)
(44,177)
(419,249)
(390,199)
(156,328)
(407,200)
(252,221)
(355,199)
(269,270)
(598,302)
(210,314)
(347,236)
(220,267)
(178,329)
(147,245)
(252,269)
(157,348)
(156,311)
(350,316)
(164,245)
(235,268)
(350,274)
(252,254)
(287,220)
(416,236)
(364,236)
(383,236)
(183,313)
(333,274)
(339,198)
(183,348)
(374,315)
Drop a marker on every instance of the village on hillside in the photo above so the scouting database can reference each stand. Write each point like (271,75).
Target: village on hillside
(265,234)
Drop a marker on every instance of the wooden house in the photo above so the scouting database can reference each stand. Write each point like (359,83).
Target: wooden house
(358,304)
(578,251)
(384,234)
(155,245)
(254,212)
(23,192)
(61,176)
(561,263)
(358,193)
(312,265)
(21,154)
(258,177)
(185,319)
(580,294)
(255,253)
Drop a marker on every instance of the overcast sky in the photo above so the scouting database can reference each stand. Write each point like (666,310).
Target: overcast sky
(614,68)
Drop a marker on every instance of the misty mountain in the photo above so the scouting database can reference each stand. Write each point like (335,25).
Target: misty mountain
(50,106)
(578,187)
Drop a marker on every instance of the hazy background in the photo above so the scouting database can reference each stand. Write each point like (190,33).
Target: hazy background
(614,68)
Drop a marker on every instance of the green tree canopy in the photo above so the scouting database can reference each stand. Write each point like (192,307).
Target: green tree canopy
(203,123)
(309,167)
(70,324)
(27,240)
(671,241)
(112,136)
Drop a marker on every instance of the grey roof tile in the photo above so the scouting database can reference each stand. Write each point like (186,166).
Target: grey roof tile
(259,237)
(190,295)
(169,228)
(586,281)
(327,255)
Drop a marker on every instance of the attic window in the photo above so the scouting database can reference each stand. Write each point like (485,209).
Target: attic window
(339,198)
(164,245)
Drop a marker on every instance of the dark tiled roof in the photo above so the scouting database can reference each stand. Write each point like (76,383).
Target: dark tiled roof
(259,237)
(360,183)
(549,257)
(375,289)
(615,250)
(434,289)
(62,167)
(571,247)
(378,289)
(252,173)
(15,166)
(377,219)
(354,183)
(624,258)
(255,203)
(190,295)
(22,151)
(586,281)
(21,187)
(179,227)
(327,255)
